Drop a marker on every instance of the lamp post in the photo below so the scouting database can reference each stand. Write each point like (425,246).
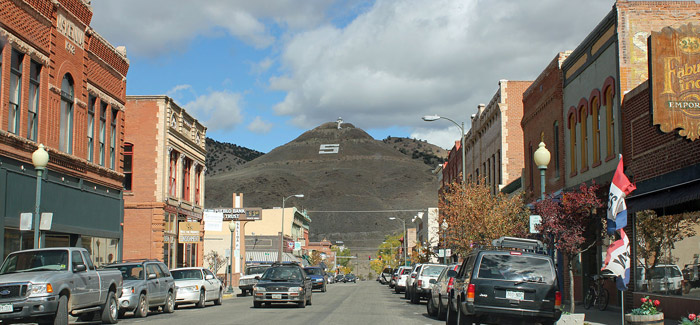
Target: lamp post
(232,228)
(541,158)
(279,256)
(40,158)
(444,241)
(405,240)
(430,118)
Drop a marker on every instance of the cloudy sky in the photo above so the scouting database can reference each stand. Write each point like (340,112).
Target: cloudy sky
(259,73)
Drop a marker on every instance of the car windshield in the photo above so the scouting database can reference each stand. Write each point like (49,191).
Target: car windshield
(129,271)
(282,273)
(192,274)
(313,271)
(256,269)
(406,271)
(30,261)
(433,270)
(516,268)
(350,276)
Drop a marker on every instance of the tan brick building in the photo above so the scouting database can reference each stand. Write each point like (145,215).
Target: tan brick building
(61,85)
(164,181)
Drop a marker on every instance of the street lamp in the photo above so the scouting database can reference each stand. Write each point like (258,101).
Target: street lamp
(444,241)
(405,241)
(430,118)
(40,158)
(232,227)
(279,256)
(542,157)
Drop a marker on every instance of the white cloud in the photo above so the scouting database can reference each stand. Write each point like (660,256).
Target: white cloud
(218,110)
(443,138)
(401,60)
(262,66)
(259,126)
(157,27)
(175,91)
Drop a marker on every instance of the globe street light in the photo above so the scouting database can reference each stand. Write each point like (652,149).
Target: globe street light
(430,118)
(541,158)
(405,260)
(232,227)
(40,158)
(279,256)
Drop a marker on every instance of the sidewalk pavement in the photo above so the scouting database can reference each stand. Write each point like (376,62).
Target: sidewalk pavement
(611,316)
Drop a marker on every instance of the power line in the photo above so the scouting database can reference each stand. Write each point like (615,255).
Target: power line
(371,211)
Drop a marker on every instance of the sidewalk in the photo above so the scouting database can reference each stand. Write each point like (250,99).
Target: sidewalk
(611,316)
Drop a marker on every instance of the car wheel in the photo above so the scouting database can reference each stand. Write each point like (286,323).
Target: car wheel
(302,304)
(110,311)
(415,298)
(441,312)
(201,302)
(430,306)
(220,298)
(169,306)
(142,306)
(61,316)
(451,314)
(405,293)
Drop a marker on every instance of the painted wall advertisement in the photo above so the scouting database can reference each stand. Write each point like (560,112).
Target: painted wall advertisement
(674,66)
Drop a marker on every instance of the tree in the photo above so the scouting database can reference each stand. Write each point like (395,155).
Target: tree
(315,258)
(476,217)
(566,224)
(215,261)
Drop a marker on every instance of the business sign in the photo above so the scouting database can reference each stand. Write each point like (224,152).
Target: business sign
(674,71)
(213,220)
(535,220)
(238,214)
(297,245)
(188,232)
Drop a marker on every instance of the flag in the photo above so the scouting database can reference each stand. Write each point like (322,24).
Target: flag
(617,210)
(617,261)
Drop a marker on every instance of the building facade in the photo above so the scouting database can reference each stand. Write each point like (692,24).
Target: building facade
(164,182)
(61,85)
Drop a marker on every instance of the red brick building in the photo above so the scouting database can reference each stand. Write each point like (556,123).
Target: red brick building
(164,188)
(452,168)
(61,85)
(543,122)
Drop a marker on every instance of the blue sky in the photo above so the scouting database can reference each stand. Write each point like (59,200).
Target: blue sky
(260,73)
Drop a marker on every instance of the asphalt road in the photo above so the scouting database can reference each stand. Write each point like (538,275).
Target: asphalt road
(366,302)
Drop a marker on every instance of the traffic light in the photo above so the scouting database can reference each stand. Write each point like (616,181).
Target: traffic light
(369,257)
(380,257)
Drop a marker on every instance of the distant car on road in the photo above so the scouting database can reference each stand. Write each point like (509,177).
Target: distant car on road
(283,283)
(350,278)
(246,282)
(340,278)
(318,277)
(197,285)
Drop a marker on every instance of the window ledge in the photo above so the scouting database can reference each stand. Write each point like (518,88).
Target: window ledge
(609,158)
(573,174)
(584,170)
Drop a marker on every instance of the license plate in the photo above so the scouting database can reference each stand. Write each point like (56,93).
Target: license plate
(5,308)
(515,295)
(276,296)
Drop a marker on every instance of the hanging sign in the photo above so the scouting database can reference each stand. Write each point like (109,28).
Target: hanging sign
(188,232)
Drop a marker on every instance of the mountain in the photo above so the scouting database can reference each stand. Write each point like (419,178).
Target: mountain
(429,153)
(223,156)
(340,172)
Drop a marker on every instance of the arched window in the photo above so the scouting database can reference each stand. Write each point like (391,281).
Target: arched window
(609,122)
(556,149)
(584,137)
(572,142)
(65,141)
(595,119)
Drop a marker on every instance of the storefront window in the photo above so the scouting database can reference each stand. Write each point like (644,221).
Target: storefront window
(169,239)
(102,250)
(667,255)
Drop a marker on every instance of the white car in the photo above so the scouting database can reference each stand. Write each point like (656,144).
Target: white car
(197,285)
(665,278)
(403,273)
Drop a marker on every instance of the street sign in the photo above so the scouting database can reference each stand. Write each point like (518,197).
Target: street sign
(239,214)
(25,221)
(45,223)
(534,221)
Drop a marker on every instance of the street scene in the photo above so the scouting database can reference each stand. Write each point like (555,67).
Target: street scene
(345,162)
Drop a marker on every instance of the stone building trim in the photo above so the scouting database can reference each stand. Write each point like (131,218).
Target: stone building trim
(92,89)
(24,47)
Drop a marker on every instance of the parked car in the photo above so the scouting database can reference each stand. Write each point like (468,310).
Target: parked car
(409,281)
(283,283)
(437,300)
(421,285)
(350,278)
(330,278)
(511,282)
(385,277)
(392,280)
(318,277)
(403,273)
(340,278)
(35,285)
(197,285)
(665,278)
(246,282)
(148,285)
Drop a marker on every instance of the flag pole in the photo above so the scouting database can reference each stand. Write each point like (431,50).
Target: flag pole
(622,306)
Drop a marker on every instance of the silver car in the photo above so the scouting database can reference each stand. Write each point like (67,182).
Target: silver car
(147,286)
(197,285)
(437,300)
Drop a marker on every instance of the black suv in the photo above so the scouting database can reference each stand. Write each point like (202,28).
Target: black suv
(283,283)
(512,282)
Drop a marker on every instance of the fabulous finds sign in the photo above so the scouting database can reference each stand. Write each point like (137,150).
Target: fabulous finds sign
(674,71)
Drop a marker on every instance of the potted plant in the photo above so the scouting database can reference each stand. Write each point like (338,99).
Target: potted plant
(692,319)
(648,313)
(568,318)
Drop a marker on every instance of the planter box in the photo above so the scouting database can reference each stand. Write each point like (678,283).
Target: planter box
(571,319)
(657,319)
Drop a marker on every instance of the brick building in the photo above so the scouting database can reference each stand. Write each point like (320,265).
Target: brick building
(494,143)
(164,181)
(61,85)
(452,167)
(543,122)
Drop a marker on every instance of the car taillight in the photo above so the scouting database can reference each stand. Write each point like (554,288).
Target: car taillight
(450,284)
(470,292)
(420,283)
(413,276)
(557,300)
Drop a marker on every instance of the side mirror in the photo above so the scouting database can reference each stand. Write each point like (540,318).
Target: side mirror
(451,273)
(79,268)
(433,281)
(308,278)
(152,276)
(208,277)
(257,277)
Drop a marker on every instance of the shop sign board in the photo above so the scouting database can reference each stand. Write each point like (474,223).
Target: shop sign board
(188,232)
(240,214)
(674,73)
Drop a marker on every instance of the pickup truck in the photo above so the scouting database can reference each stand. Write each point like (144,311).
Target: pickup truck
(46,285)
